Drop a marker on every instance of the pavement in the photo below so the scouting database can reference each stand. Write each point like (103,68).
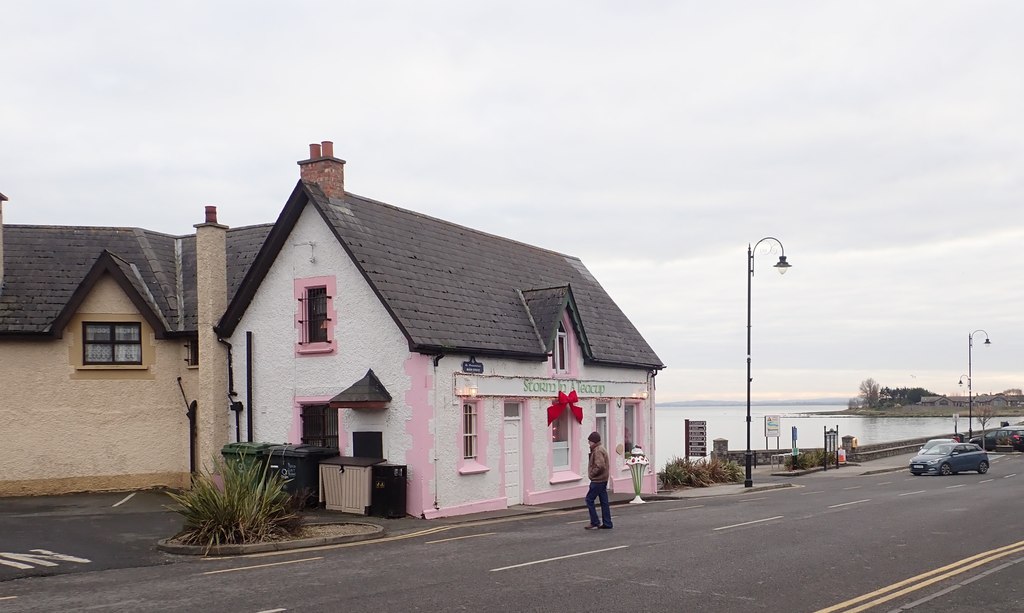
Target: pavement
(139,520)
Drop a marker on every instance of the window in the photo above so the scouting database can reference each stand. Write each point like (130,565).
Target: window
(601,417)
(469,431)
(314,325)
(628,426)
(192,352)
(315,317)
(561,355)
(560,442)
(112,343)
(319,425)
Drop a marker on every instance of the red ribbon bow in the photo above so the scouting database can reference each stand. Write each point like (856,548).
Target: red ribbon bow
(564,400)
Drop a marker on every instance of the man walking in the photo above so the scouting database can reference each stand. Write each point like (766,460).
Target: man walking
(597,470)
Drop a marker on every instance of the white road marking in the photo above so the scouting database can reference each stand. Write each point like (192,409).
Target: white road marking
(231,570)
(753,499)
(747,523)
(950,487)
(912,493)
(1010,475)
(696,506)
(846,504)
(7,597)
(855,487)
(41,557)
(459,538)
(124,500)
(271,611)
(986,480)
(809,493)
(885,483)
(574,555)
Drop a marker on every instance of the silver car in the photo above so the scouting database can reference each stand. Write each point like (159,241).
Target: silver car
(950,458)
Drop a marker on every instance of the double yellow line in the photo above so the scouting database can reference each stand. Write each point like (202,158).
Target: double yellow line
(873,599)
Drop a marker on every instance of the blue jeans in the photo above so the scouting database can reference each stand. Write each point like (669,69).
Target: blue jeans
(599,489)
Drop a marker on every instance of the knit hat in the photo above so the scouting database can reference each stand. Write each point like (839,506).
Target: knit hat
(594,437)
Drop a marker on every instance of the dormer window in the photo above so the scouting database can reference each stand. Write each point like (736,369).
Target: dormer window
(561,354)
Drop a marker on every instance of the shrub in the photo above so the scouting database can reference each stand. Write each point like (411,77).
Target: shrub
(810,459)
(682,472)
(250,507)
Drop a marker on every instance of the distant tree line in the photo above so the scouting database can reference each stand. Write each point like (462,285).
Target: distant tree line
(874,396)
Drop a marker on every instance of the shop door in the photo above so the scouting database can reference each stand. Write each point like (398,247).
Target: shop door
(513,475)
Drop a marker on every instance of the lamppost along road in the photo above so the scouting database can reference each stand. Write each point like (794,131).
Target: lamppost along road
(970,394)
(782,266)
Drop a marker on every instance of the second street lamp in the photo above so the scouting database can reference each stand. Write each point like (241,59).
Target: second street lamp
(970,395)
(782,266)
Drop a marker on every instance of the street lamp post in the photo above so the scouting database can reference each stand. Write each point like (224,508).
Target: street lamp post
(970,394)
(782,266)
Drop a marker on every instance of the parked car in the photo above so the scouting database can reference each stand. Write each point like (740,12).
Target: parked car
(933,442)
(950,458)
(1012,435)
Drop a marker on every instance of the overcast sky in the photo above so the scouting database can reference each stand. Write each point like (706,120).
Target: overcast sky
(881,142)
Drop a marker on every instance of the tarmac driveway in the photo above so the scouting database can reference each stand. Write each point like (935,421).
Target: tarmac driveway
(49,535)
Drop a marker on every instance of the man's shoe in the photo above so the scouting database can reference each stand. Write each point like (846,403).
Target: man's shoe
(591,527)
(603,527)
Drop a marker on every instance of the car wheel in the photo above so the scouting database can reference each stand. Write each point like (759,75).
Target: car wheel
(982,467)
(946,469)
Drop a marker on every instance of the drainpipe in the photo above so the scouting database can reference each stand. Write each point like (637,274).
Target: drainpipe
(248,384)
(190,412)
(437,358)
(236,407)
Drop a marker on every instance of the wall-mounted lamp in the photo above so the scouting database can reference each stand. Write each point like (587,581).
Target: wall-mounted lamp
(641,393)
(467,390)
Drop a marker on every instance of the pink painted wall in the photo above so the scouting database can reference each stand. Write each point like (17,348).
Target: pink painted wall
(421,471)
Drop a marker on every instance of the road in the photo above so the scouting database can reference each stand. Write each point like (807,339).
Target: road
(838,542)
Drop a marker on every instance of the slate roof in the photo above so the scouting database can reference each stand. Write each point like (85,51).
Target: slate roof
(454,289)
(47,267)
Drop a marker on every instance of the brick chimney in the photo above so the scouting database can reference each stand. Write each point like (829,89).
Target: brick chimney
(212,299)
(324,169)
(3,199)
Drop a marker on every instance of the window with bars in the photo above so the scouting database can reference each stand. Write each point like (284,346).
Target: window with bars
(111,343)
(192,352)
(469,431)
(315,322)
(319,425)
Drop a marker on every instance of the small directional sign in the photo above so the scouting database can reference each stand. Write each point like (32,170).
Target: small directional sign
(696,438)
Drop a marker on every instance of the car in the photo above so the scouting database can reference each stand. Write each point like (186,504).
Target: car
(1006,435)
(949,459)
(933,442)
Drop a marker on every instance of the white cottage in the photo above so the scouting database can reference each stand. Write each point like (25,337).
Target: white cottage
(478,362)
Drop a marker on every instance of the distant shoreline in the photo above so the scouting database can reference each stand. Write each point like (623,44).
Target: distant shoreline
(915,411)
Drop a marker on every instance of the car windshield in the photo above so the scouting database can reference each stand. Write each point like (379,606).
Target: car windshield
(935,442)
(940,449)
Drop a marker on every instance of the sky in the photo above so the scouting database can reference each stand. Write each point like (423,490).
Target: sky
(881,144)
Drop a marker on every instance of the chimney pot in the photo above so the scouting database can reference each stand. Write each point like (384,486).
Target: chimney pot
(211,214)
(328,148)
(314,151)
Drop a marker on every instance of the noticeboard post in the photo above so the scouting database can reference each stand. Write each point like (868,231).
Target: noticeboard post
(696,438)
(772,429)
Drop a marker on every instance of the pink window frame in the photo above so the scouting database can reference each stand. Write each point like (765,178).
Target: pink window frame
(301,287)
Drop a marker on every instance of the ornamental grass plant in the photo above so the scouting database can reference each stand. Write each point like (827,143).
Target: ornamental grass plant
(683,472)
(247,505)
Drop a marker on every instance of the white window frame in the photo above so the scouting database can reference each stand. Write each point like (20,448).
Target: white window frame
(560,356)
(629,413)
(560,447)
(601,420)
(470,428)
